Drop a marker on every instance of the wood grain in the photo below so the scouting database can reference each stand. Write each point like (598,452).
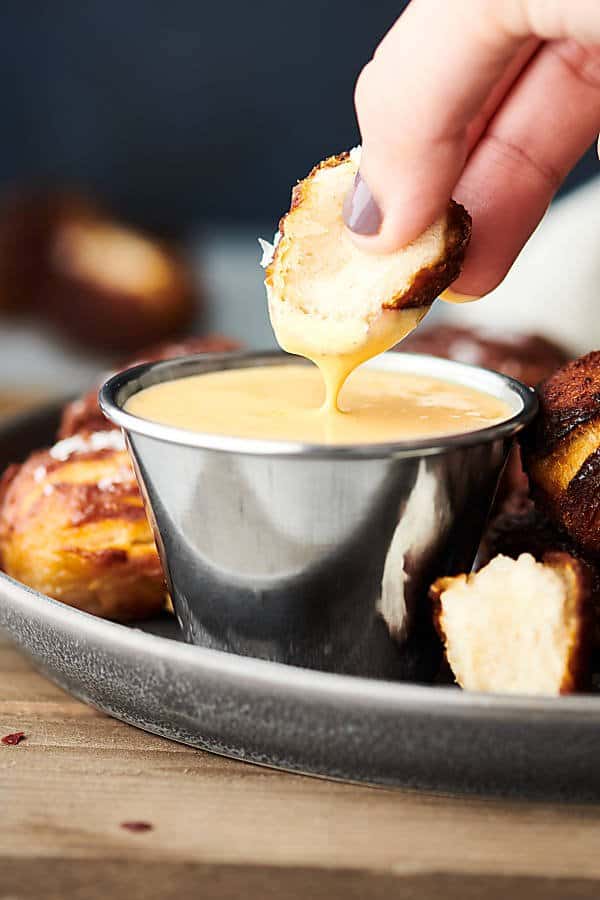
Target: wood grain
(226,829)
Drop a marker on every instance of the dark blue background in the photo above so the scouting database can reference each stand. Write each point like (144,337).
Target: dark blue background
(185,111)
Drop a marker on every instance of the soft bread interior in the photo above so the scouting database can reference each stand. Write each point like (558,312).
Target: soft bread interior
(513,627)
(325,290)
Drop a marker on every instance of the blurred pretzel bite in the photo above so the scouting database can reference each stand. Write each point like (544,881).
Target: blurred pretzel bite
(518,626)
(326,296)
(112,287)
(26,221)
(73,526)
(561,451)
(84,414)
(527,357)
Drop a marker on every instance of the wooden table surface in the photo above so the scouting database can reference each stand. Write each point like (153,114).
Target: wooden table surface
(223,829)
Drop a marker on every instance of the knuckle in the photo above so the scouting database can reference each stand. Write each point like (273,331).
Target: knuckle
(516,157)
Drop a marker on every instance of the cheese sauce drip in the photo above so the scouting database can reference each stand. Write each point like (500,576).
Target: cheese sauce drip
(295,336)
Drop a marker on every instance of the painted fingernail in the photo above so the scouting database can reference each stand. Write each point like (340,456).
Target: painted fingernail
(361,213)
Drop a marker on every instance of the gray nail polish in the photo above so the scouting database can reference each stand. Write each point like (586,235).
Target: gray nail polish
(360,211)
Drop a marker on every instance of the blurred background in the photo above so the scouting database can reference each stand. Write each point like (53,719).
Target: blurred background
(191,121)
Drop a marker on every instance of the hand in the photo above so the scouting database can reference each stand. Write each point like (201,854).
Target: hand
(489,102)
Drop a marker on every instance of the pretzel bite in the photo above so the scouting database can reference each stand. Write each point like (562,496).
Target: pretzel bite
(114,288)
(84,414)
(328,297)
(561,451)
(73,526)
(106,285)
(518,626)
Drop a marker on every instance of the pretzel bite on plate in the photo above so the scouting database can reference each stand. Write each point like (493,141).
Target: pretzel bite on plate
(326,296)
(518,626)
(73,526)
(561,451)
(84,414)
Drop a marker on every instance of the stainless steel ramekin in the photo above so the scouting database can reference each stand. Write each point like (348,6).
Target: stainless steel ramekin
(318,556)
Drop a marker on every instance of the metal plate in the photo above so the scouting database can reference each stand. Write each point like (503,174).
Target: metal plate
(321,724)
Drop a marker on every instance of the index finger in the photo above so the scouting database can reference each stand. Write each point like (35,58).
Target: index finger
(428,80)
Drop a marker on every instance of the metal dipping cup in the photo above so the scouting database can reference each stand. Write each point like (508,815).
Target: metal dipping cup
(316,555)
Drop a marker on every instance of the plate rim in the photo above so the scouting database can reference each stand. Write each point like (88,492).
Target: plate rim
(318,684)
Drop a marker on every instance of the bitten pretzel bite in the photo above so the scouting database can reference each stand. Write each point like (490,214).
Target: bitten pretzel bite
(518,626)
(73,526)
(561,451)
(333,296)
(84,414)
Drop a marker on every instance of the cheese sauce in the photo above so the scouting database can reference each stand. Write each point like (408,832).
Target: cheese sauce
(288,402)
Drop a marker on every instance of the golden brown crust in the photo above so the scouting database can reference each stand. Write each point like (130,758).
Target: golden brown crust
(579,505)
(430,282)
(84,415)
(569,399)
(561,451)
(435,596)
(577,672)
(76,530)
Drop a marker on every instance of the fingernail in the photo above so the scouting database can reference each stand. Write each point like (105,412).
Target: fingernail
(451,296)
(360,211)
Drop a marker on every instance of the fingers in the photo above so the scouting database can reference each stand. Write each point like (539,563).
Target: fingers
(430,76)
(427,96)
(495,98)
(548,120)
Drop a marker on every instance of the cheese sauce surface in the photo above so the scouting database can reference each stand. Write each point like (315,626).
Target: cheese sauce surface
(287,402)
